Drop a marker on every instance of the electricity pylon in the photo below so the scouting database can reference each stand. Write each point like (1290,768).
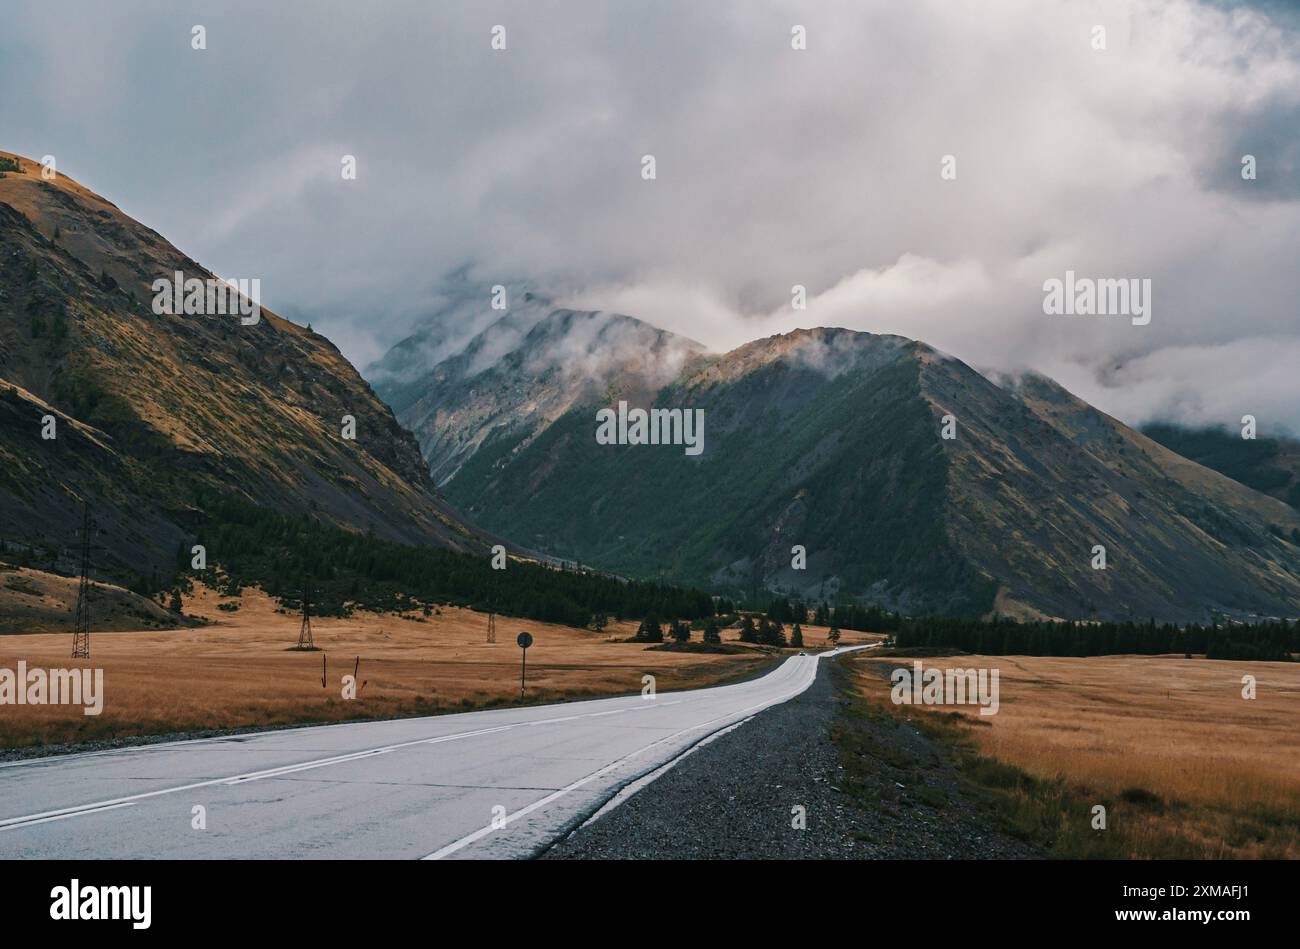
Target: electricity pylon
(81,631)
(304,631)
(492,610)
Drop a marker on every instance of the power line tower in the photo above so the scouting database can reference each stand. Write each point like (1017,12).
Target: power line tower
(304,631)
(81,631)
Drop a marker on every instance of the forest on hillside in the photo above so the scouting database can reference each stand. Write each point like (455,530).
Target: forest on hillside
(347,570)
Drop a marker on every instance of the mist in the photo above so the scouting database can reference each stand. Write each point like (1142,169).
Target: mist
(775,168)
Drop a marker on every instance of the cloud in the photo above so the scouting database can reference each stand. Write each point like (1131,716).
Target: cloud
(1254,376)
(776,167)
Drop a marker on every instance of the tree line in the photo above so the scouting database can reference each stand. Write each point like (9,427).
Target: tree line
(867,619)
(766,632)
(345,570)
(1268,641)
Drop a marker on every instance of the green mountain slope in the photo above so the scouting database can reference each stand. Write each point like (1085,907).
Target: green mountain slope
(1269,465)
(830,439)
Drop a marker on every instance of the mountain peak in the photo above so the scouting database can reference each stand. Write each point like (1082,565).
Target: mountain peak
(529,366)
(832,439)
(827,350)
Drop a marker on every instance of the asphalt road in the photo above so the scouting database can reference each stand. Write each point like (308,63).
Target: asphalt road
(495,784)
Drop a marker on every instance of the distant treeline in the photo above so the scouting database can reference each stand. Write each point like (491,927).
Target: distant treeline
(346,570)
(867,619)
(1274,640)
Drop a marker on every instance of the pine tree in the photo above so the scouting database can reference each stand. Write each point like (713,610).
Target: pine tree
(796,637)
(834,635)
(711,634)
(649,631)
(748,634)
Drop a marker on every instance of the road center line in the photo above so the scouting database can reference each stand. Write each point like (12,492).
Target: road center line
(301,766)
(46,820)
(114,803)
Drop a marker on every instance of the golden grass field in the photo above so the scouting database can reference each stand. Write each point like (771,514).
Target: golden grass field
(241,671)
(1105,729)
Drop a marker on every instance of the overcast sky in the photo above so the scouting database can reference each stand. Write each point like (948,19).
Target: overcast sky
(775,167)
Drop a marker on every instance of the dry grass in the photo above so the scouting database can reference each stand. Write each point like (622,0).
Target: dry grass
(241,672)
(1184,764)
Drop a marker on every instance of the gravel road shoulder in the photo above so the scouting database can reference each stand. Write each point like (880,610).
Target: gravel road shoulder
(738,796)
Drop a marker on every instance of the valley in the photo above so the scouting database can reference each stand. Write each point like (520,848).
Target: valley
(237,670)
(235,468)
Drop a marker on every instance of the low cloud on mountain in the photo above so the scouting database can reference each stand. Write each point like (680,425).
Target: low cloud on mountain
(776,167)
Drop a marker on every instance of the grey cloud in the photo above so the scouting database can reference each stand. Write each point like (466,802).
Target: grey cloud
(1271,135)
(776,168)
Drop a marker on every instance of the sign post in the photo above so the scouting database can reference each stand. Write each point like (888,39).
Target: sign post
(524,640)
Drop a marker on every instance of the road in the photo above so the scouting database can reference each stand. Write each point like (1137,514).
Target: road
(503,783)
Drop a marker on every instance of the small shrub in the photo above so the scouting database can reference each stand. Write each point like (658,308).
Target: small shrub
(1141,797)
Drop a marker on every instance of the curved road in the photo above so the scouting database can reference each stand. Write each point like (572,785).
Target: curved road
(499,784)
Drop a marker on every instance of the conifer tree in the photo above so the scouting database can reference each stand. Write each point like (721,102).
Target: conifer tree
(649,630)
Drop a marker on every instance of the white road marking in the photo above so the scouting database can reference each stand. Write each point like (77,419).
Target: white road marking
(522,812)
(14,823)
(274,772)
(46,820)
(482,832)
(645,780)
(293,768)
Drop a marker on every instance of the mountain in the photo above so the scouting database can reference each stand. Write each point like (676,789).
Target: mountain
(1270,465)
(519,374)
(831,439)
(151,411)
